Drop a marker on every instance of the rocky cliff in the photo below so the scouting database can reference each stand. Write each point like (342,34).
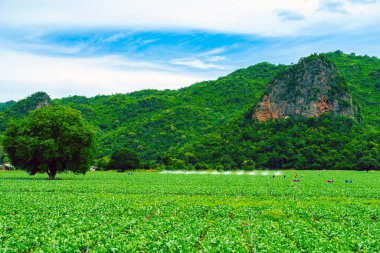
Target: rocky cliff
(309,88)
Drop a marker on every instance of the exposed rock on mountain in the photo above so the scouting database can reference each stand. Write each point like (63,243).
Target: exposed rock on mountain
(309,88)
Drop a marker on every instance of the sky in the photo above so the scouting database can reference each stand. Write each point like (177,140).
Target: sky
(91,47)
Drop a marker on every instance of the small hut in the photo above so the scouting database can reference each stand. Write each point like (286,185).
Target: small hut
(7,166)
(93,168)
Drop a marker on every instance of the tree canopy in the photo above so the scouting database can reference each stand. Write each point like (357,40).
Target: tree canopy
(49,140)
(124,159)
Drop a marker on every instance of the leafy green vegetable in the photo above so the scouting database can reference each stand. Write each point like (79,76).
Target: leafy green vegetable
(153,212)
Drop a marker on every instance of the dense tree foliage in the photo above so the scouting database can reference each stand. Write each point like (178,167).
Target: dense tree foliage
(327,142)
(124,159)
(50,140)
(6,105)
(362,75)
(203,126)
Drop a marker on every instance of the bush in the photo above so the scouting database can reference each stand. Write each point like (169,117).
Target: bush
(367,163)
(201,166)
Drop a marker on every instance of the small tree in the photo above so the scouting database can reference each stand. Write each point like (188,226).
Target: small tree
(3,155)
(248,164)
(103,162)
(124,159)
(201,166)
(367,163)
(51,139)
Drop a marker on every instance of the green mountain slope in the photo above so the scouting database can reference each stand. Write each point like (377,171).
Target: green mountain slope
(362,75)
(6,105)
(154,122)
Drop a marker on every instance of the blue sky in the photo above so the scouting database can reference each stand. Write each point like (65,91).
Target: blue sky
(90,47)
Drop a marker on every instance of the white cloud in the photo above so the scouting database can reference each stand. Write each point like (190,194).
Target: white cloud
(351,8)
(337,6)
(115,37)
(195,63)
(215,51)
(237,16)
(287,15)
(25,73)
(204,61)
(216,58)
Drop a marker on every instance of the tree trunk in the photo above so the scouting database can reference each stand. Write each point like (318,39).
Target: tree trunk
(52,171)
(52,174)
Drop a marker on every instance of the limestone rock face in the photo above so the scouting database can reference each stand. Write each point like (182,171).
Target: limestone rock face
(310,88)
(42,104)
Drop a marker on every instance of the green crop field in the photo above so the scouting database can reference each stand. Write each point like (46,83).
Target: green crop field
(155,212)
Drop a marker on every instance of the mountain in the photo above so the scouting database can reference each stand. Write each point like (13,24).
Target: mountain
(310,116)
(310,88)
(213,123)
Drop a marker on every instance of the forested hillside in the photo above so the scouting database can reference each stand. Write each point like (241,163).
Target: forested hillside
(362,75)
(209,124)
(156,122)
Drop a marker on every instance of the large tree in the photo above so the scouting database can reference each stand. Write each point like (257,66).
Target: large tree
(49,140)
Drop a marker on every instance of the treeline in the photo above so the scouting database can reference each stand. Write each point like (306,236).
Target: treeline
(326,142)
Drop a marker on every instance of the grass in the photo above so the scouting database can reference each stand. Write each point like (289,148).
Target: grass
(153,212)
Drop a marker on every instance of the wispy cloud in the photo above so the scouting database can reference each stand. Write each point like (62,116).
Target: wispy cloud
(363,1)
(195,63)
(242,16)
(216,58)
(347,6)
(289,15)
(115,37)
(214,51)
(332,6)
(204,60)
(59,76)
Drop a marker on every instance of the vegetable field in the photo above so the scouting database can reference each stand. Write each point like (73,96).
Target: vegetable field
(155,212)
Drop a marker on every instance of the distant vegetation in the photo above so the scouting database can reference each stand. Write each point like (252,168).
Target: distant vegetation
(295,143)
(208,124)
